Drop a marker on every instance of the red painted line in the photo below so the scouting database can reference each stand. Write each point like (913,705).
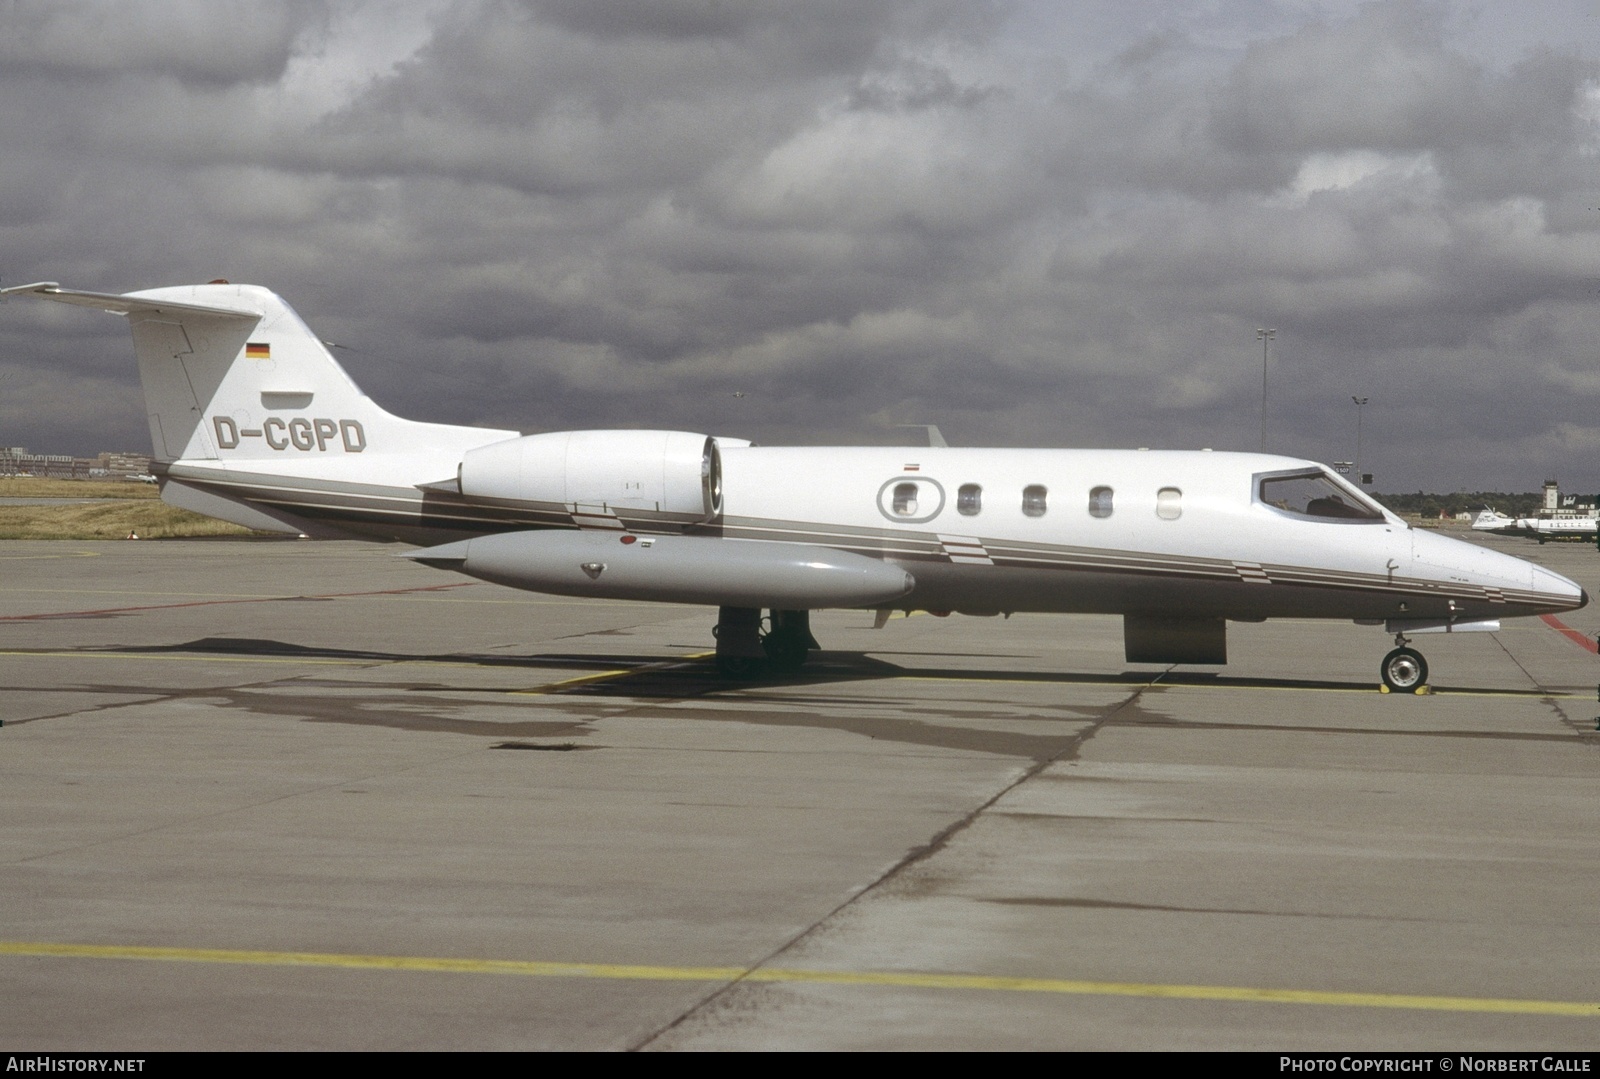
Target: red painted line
(1569,633)
(219,602)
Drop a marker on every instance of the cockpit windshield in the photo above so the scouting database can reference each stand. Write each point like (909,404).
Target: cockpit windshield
(1316,494)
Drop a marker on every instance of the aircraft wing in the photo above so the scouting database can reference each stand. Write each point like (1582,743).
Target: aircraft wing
(124,305)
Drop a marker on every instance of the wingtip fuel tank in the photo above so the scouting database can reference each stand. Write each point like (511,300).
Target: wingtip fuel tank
(674,569)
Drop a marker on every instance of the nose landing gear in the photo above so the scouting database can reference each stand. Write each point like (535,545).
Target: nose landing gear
(1403,670)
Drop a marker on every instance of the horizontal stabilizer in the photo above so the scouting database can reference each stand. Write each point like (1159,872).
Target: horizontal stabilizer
(125,305)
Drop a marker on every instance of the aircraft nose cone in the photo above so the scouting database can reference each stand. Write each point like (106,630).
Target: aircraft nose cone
(1559,589)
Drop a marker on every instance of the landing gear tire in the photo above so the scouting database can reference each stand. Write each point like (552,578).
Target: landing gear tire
(740,667)
(786,651)
(745,652)
(739,653)
(788,641)
(1404,670)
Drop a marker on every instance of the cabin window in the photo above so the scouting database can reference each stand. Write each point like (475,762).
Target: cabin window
(1318,495)
(1033,500)
(1100,502)
(1169,503)
(904,503)
(969,500)
(902,499)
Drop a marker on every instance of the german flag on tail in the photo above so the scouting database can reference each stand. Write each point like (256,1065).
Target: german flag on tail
(256,350)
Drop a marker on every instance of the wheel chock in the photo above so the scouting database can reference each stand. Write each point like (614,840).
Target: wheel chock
(1383,688)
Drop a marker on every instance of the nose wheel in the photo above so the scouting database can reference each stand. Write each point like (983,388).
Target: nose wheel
(1404,670)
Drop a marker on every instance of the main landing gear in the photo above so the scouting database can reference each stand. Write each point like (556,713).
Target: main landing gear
(1404,670)
(749,646)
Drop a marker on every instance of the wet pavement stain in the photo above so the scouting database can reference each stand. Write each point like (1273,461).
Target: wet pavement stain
(266,648)
(560,747)
(1103,818)
(1160,722)
(912,732)
(1157,908)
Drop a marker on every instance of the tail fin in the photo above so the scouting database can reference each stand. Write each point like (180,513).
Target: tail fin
(230,372)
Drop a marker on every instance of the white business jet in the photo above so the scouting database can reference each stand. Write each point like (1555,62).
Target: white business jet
(1543,529)
(1548,529)
(253,421)
(1495,523)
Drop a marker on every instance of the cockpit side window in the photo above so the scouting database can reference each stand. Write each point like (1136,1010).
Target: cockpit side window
(1316,495)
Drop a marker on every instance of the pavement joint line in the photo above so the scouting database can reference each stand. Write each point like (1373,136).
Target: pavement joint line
(310,661)
(936,843)
(217,659)
(46,616)
(797,975)
(1529,694)
(138,592)
(1455,691)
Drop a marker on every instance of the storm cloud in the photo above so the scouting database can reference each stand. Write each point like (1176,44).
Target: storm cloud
(1029,223)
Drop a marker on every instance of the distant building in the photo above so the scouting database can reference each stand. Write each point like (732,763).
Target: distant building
(1557,504)
(17,461)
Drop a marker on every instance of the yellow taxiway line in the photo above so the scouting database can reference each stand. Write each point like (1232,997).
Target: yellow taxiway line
(897,979)
(606,676)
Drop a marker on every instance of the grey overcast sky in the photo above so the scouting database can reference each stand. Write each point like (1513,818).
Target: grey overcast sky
(1032,223)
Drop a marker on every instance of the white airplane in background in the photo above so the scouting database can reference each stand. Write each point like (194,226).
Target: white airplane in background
(1495,523)
(253,421)
(1543,529)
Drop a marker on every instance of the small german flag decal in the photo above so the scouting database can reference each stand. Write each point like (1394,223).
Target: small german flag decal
(256,350)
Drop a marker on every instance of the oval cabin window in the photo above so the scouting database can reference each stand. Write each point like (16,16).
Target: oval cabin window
(1169,503)
(1100,502)
(1033,500)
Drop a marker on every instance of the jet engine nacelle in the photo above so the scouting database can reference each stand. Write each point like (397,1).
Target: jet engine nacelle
(666,471)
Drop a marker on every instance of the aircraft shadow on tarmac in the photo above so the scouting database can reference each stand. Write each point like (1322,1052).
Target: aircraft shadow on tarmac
(653,675)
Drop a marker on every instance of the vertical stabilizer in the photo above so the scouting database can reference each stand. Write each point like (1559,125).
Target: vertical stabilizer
(231,374)
(252,385)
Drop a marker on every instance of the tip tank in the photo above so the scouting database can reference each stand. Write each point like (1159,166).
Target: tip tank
(674,569)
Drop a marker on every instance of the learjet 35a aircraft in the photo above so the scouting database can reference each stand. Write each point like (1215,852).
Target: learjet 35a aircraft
(253,421)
